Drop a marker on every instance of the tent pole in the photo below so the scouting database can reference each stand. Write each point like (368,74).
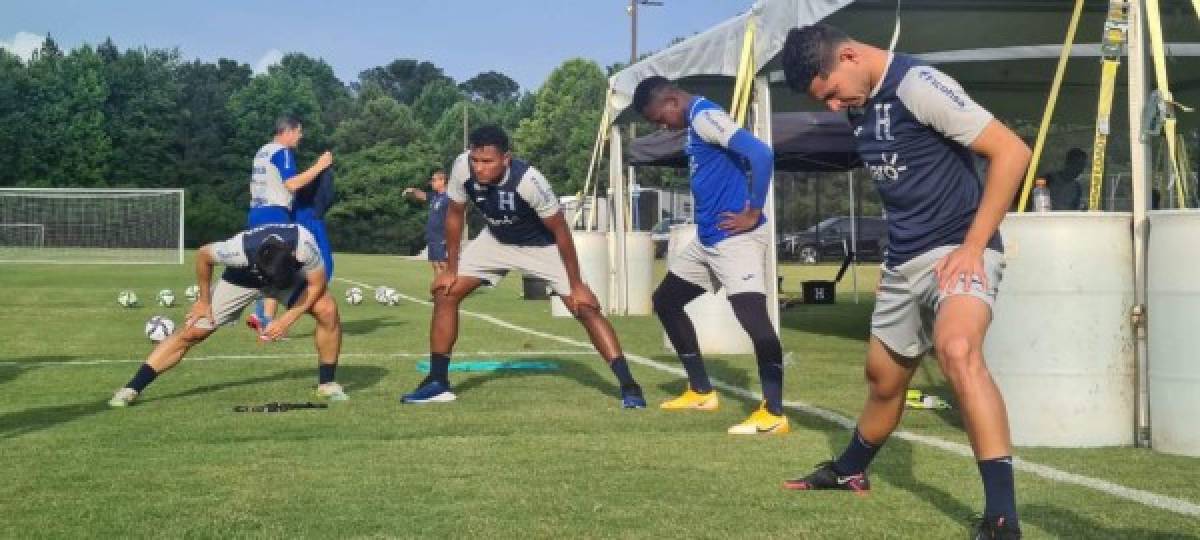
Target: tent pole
(616,227)
(853,233)
(762,130)
(1139,167)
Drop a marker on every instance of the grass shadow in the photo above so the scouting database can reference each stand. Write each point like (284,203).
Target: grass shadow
(849,321)
(572,369)
(1062,523)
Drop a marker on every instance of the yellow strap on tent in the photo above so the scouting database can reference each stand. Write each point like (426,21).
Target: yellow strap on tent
(1050,103)
(745,76)
(1158,51)
(1116,29)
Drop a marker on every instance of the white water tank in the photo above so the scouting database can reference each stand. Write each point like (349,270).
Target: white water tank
(592,250)
(1061,343)
(639,277)
(717,328)
(1173,316)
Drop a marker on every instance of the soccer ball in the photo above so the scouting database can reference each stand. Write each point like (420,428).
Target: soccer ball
(166,298)
(354,296)
(127,299)
(159,327)
(381,294)
(393,297)
(192,292)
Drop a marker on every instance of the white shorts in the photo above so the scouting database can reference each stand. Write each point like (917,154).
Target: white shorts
(735,263)
(908,299)
(489,260)
(228,301)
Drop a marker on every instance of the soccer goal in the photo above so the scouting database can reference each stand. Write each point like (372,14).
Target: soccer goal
(99,226)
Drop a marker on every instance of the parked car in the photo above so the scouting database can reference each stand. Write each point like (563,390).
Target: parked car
(833,240)
(661,233)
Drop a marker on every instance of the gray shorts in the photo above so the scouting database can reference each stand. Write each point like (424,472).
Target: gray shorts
(735,263)
(908,299)
(228,301)
(489,260)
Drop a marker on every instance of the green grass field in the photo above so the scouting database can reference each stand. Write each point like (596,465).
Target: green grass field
(520,455)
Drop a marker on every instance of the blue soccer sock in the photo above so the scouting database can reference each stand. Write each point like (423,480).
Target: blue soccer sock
(260,310)
(620,368)
(144,376)
(325,372)
(697,376)
(1000,498)
(857,455)
(439,368)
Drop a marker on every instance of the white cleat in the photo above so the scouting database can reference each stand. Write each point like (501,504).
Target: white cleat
(123,397)
(332,391)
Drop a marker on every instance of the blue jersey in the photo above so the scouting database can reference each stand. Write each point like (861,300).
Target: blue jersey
(913,135)
(435,228)
(270,200)
(719,173)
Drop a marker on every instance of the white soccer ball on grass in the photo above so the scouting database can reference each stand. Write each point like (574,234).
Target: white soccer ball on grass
(354,296)
(192,292)
(166,298)
(127,298)
(159,327)
(393,297)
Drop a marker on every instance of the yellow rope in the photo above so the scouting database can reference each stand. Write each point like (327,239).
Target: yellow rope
(1050,104)
(745,76)
(1158,50)
(1108,78)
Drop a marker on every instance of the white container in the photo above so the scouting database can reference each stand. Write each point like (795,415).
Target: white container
(717,328)
(592,250)
(1173,316)
(1061,345)
(639,278)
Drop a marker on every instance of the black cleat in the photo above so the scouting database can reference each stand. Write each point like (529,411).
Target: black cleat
(824,477)
(998,527)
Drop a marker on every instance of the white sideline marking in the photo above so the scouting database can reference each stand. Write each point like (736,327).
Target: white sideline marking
(279,356)
(1146,498)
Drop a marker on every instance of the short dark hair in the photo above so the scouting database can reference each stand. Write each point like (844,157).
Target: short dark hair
(286,122)
(647,91)
(276,262)
(489,135)
(810,51)
(437,171)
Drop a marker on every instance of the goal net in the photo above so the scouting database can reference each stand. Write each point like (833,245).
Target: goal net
(110,226)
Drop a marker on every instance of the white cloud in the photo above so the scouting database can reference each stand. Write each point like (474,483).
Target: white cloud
(269,59)
(23,44)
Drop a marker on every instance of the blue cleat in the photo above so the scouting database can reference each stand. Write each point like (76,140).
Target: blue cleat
(631,398)
(429,392)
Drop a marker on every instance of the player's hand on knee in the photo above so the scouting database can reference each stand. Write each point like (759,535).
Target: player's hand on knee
(581,296)
(201,310)
(276,330)
(961,268)
(443,282)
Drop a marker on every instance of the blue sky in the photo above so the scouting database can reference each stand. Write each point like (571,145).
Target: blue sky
(524,39)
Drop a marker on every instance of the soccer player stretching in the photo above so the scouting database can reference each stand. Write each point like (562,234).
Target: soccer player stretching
(916,131)
(525,231)
(279,261)
(731,245)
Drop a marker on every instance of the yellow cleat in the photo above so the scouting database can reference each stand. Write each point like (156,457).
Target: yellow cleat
(691,399)
(762,422)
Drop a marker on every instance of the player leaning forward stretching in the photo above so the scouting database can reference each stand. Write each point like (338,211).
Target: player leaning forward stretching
(277,261)
(526,231)
(918,132)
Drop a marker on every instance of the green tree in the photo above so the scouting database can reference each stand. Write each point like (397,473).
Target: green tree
(403,79)
(558,137)
(381,121)
(436,98)
(491,86)
(14,126)
(267,97)
(141,114)
(333,96)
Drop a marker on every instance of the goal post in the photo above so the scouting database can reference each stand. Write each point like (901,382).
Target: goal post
(91,226)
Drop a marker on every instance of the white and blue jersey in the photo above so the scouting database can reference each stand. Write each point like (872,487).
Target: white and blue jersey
(435,228)
(914,134)
(270,200)
(514,207)
(236,253)
(729,168)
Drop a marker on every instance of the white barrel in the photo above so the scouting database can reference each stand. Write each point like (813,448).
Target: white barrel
(1173,316)
(639,277)
(717,328)
(1061,343)
(592,250)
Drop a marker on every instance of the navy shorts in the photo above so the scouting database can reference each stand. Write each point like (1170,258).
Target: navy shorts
(437,251)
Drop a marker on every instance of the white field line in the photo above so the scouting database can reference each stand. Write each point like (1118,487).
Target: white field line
(1163,502)
(503,354)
